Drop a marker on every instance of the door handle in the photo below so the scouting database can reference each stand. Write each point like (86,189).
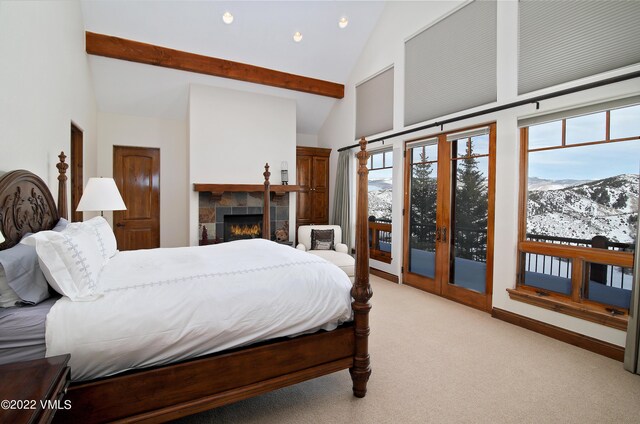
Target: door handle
(444,234)
(120,224)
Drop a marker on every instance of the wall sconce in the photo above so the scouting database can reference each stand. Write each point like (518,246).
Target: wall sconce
(284,173)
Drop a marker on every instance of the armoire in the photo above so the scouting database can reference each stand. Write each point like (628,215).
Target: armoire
(312,175)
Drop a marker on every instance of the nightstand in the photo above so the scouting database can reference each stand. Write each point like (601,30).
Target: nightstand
(31,391)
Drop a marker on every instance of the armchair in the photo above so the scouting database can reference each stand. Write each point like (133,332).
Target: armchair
(339,255)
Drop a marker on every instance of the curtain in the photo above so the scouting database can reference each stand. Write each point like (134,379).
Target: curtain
(632,348)
(342,198)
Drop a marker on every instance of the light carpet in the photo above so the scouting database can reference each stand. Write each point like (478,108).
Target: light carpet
(436,361)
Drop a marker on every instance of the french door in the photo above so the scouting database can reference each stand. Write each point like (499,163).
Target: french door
(449,210)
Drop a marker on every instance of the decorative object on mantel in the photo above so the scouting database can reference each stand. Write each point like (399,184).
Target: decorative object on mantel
(205,235)
(282,233)
(284,172)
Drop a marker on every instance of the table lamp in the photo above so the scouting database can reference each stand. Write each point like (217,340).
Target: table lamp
(101,194)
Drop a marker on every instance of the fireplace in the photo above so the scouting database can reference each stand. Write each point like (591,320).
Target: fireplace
(237,227)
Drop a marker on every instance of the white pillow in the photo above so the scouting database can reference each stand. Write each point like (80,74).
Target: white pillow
(8,296)
(104,236)
(71,261)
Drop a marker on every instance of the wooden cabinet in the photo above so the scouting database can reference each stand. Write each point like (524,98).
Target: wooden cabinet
(312,176)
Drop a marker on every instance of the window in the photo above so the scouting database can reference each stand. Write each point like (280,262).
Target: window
(579,214)
(380,200)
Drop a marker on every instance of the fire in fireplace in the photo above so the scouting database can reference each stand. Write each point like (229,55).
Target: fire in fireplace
(238,227)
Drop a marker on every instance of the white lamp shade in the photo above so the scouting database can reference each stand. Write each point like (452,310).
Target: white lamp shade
(101,194)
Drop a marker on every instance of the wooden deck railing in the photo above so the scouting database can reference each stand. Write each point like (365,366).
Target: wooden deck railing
(380,231)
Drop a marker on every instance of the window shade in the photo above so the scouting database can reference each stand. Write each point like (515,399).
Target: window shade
(420,143)
(562,41)
(374,105)
(451,66)
(467,134)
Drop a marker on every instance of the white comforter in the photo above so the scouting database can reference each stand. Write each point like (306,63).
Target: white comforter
(165,305)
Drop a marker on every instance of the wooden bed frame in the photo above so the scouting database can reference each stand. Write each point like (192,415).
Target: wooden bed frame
(172,391)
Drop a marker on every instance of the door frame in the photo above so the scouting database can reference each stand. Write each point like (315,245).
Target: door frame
(439,284)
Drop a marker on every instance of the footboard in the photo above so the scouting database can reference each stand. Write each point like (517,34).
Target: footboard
(170,392)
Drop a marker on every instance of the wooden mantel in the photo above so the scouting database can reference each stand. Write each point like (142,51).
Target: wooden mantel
(218,189)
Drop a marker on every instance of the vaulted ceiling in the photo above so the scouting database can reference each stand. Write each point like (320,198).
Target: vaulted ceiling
(261,34)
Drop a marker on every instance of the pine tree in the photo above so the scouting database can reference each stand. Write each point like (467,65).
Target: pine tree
(423,205)
(471,210)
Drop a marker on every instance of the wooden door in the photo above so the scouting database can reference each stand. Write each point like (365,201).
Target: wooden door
(304,166)
(76,172)
(449,237)
(320,190)
(136,171)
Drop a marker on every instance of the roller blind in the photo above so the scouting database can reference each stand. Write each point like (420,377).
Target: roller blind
(467,134)
(562,41)
(374,105)
(420,143)
(451,66)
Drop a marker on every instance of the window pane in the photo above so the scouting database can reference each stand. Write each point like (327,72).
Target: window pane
(583,129)
(422,219)
(417,154)
(545,135)
(377,160)
(578,193)
(380,193)
(625,122)
(547,272)
(480,144)
(388,159)
(469,232)
(460,148)
(608,284)
(431,152)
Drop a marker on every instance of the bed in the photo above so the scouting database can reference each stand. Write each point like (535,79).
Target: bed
(157,391)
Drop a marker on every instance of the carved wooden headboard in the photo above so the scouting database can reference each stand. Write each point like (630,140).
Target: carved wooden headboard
(26,205)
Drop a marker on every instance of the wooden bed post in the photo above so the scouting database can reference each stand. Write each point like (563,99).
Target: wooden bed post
(266,208)
(62,185)
(361,290)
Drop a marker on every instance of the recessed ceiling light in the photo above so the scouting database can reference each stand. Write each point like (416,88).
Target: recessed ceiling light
(297,37)
(227,18)
(343,22)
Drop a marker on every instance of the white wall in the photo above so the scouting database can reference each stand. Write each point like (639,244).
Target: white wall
(45,84)
(307,140)
(232,134)
(385,47)
(170,136)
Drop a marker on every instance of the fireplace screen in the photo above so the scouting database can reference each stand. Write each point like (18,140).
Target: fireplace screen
(238,227)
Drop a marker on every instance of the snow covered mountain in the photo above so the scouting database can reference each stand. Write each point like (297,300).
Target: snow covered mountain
(536,184)
(583,210)
(380,194)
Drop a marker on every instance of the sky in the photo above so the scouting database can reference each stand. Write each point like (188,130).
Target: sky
(586,162)
(591,162)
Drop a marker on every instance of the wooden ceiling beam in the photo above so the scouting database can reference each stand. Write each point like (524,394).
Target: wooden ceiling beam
(134,51)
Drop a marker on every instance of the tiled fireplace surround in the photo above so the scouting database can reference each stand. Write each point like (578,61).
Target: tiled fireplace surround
(212,210)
